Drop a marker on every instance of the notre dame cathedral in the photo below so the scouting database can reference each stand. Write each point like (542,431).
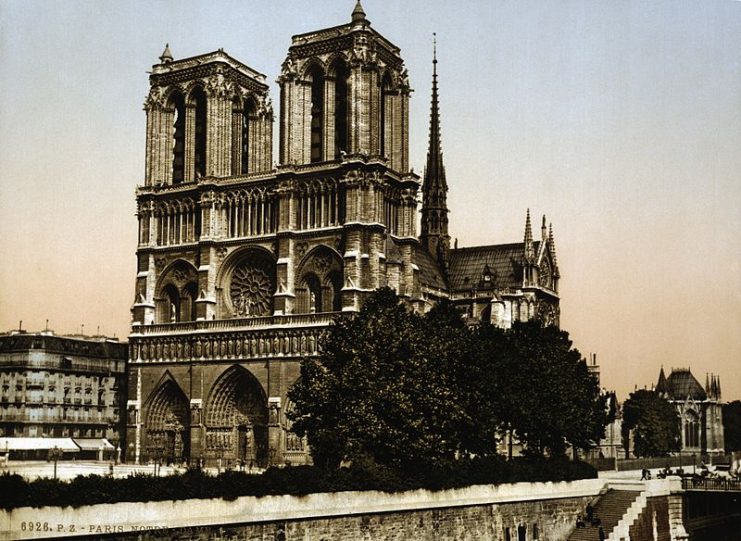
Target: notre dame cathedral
(243,264)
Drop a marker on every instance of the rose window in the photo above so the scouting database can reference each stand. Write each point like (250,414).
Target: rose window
(250,291)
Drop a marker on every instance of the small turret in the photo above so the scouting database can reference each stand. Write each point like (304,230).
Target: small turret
(661,385)
(166,56)
(358,15)
(552,249)
(529,246)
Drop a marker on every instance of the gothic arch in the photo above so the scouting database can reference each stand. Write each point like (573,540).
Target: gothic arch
(176,293)
(340,72)
(197,99)
(385,121)
(236,416)
(320,280)
(311,66)
(315,76)
(248,283)
(244,121)
(691,429)
(176,104)
(167,423)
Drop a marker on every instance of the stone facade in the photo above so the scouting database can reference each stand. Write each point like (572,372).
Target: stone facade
(58,386)
(242,265)
(700,410)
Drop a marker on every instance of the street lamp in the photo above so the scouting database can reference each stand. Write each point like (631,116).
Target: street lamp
(55,454)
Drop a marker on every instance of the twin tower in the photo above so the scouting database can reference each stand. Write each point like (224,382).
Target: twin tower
(242,263)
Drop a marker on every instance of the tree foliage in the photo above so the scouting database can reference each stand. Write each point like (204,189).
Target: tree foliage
(654,422)
(732,425)
(406,390)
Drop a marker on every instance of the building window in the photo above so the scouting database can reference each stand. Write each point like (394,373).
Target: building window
(178,143)
(341,142)
(691,430)
(317,113)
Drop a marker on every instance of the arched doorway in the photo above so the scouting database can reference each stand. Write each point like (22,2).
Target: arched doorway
(236,420)
(167,429)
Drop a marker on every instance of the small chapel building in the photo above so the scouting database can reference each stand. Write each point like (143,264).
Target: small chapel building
(700,410)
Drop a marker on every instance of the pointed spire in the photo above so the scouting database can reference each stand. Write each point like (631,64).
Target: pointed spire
(358,15)
(166,56)
(543,230)
(529,247)
(434,235)
(552,245)
(661,385)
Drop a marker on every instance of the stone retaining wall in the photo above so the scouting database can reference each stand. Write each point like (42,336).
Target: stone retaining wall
(473,513)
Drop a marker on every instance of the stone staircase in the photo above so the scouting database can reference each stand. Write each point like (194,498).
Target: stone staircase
(611,507)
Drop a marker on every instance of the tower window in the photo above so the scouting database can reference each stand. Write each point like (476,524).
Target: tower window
(317,114)
(178,150)
(199,98)
(384,117)
(340,109)
(247,119)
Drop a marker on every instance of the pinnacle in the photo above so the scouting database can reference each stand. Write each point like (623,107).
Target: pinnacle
(166,55)
(358,15)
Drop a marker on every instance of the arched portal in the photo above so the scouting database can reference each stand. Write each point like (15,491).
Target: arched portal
(236,419)
(167,429)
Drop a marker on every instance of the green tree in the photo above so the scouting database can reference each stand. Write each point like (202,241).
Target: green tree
(732,425)
(402,389)
(555,401)
(654,422)
(381,387)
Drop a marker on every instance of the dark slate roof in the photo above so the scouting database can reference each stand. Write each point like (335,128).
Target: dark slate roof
(429,270)
(681,384)
(504,261)
(97,348)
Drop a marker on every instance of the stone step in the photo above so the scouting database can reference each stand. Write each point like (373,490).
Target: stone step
(610,508)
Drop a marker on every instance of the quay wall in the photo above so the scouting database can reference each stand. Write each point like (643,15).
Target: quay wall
(545,511)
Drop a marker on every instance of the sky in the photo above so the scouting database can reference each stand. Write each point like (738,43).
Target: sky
(619,120)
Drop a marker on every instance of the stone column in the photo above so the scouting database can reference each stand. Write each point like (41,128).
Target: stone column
(328,145)
(275,431)
(237,141)
(189,169)
(403,164)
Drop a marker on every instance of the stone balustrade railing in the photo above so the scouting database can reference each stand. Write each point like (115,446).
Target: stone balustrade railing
(236,324)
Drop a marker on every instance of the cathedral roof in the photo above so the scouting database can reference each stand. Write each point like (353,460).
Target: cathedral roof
(504,262)
(429,270)
(682,384)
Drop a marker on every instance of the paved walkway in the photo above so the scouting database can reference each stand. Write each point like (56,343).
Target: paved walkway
(70,469)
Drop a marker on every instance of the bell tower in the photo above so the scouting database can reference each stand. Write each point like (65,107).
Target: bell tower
(344,92)
(207,116)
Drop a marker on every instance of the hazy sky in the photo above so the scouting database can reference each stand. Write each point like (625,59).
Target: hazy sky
(619,120)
